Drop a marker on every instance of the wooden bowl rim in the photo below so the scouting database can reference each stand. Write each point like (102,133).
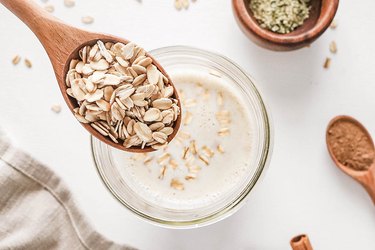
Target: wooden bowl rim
(252,26)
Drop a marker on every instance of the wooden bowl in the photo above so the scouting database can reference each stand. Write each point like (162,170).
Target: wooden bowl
(321,15)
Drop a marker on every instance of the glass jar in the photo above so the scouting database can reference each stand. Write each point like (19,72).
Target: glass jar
(175,59)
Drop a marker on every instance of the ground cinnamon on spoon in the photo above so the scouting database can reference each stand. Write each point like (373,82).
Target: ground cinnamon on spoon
(350,145)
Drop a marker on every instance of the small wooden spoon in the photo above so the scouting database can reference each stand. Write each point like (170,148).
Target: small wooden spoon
(62,43)
(301,242)
(365,177)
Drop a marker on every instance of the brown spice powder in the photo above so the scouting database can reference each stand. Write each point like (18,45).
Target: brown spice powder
(350,145)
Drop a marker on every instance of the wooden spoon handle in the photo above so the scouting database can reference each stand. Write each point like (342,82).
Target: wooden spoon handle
(58,38)
(368,182)
(301,242)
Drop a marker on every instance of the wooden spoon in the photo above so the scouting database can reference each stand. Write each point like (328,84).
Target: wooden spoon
(62,43)
(301,242)
(365,177)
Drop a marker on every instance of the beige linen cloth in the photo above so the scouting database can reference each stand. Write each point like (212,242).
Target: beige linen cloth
(37,210)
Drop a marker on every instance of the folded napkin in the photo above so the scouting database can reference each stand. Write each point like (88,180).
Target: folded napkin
(37,210)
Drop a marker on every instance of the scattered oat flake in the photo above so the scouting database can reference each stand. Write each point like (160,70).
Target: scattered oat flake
(333,47)
(223,117)
(49,7)
(69,3)
(87,19)
(207,151)
(193,147)
(178,4)
(223,132)
(164,158)
(190,176)
(220,149)
(220,98)
(28,63)
(176,184)
(190,160)
(204,159)
(185,153)
(181,93)
(185,4)
(223,113)
(333,24)
(173,164)
(184,135)
(16,60)
(188,118)
(148,160)
(327,63)
(56,108)
(206,94)
(162,172)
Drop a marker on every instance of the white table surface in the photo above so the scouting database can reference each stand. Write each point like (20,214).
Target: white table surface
(302,192)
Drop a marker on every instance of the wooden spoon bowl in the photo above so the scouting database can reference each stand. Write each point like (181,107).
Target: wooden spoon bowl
(365,177)
(321,15)
(62,43)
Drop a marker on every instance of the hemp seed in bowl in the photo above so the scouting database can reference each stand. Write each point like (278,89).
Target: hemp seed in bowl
(123,95)
(280,16)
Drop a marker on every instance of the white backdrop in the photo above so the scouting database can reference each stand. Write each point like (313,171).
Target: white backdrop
(302,193)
